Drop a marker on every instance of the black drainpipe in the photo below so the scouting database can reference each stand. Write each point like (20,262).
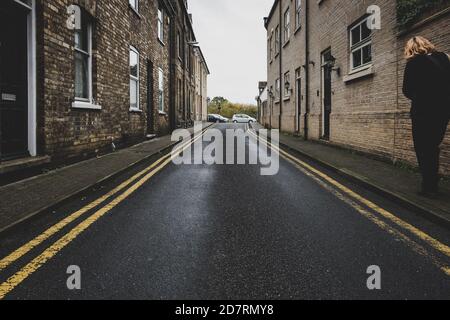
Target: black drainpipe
(306,68)
(281,64)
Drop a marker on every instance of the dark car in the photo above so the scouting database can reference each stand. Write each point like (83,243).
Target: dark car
(217,118)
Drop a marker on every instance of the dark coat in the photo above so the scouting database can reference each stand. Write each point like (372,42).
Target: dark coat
(427,84)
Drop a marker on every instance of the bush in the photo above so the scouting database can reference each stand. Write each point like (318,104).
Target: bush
(227,109)
(410,11)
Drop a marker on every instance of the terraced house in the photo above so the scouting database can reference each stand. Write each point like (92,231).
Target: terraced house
(333,79)
(82,77)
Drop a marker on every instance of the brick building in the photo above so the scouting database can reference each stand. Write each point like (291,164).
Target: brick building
(201,72)
(333,79)
(70,93)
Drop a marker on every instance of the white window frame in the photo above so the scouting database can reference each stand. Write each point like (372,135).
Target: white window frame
(161,25)
(287,25)
(270,43)
(137,79)
(81,102)
(277,40)
(161,90)
(298,14)
(359,47)
(134,4)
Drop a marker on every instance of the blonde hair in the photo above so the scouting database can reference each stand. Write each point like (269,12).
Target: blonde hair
(418,46)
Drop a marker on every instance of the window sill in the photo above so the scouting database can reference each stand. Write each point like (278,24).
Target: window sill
(162,113)
(161,42)
(85,105)
(135,110)
(135,11)
(297,29)
(286,43)
(287,98)
(359,74)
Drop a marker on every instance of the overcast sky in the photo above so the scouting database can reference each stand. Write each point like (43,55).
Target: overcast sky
(233,39)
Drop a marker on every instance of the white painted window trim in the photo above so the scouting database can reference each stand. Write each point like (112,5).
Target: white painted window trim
(298,14)
(161,25)
(137,79)
(82,103)
(134,5)
(161,91)
(277,40)
(359,46)
(287,25)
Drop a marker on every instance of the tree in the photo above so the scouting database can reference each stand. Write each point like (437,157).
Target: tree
(220,105)
(218,102)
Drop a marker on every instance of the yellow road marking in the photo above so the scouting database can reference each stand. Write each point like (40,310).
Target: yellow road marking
(444,249)
(20,252)
(377,221)
(12,282)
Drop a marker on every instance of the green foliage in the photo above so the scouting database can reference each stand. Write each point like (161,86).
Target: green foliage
(222,106)
(218,102)
(409,11)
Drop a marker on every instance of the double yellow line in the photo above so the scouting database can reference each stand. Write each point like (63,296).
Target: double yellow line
(348,195)
(143,176)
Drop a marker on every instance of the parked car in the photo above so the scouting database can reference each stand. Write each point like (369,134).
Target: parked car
(242,118)
(216,118)
(224,119)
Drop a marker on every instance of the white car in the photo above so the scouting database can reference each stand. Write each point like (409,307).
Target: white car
(242,118)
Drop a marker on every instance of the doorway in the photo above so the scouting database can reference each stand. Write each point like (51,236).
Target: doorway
(150,98)
(17,79)
(298,98)
(326,93)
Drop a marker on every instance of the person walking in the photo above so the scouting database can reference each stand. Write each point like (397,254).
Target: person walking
(427,85)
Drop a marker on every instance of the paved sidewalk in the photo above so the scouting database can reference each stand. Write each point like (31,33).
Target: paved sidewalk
(397,183)
(26,198)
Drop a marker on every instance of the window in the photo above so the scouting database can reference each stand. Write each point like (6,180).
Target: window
(134,79)
(361,45)
(287,25)
(160,90)
(83,60)
(277,89)
(287,84)
(134,4)
(298,13)
(179,46)
(270,45)
(277,40)
(160,25)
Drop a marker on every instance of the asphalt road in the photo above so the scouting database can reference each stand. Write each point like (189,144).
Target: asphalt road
(227,232)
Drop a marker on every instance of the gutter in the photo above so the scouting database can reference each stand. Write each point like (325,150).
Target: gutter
(281,64)
(306,70)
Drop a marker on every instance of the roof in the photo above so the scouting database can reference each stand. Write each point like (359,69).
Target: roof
(272,11)
(203,58)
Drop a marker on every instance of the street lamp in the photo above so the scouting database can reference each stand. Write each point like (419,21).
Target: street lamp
(287,86)
(331,63)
